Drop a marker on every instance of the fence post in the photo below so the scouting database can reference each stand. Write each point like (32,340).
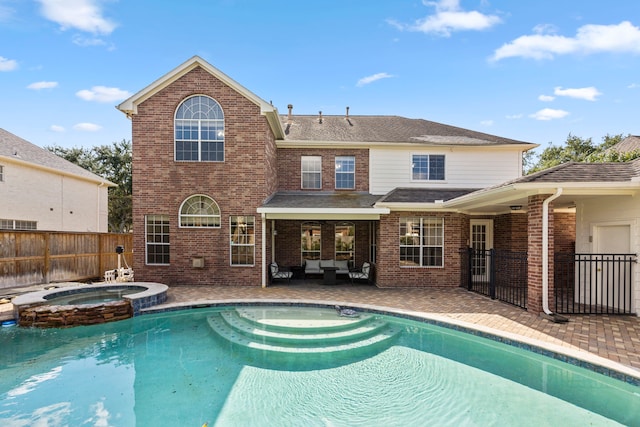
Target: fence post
(469,269)
(492,273)
(47,260)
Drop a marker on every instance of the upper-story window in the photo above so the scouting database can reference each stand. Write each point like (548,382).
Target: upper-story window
(345,172)
(311,172)
(199,211)
(427,167)
(199,130)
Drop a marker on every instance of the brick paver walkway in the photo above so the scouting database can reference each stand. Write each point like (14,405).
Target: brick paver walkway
(616,338)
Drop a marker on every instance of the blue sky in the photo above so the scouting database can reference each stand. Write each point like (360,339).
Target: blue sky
(534,71)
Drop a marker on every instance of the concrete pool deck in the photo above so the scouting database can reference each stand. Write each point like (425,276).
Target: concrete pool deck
(614,338)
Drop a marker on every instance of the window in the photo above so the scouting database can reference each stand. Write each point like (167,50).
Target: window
(311,172)
(421,242)
(17,224)
(199,130)
(1,173)
(345,172)
(311,237)
(157,239)
(242,233)
(200,212)
(427,167)
(345,241)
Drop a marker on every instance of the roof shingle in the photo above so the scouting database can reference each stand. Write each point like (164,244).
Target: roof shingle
(385,129)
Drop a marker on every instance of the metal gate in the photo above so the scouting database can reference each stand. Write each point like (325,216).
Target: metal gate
(594,283)
(495,273)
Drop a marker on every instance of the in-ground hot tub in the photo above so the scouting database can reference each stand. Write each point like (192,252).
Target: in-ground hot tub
(86,304)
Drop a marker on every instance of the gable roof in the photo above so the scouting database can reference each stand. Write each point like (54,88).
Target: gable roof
(389,129)
(630,143)
(18,150)
(130,105)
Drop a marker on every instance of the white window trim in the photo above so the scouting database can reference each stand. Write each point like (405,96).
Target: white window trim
(302,172)
(421,246)
(224,140)
(335,177)
(219,215)
(232,245)
(146,242)
(430,181)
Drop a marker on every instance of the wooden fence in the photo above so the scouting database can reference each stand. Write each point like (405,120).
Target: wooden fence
(35,257)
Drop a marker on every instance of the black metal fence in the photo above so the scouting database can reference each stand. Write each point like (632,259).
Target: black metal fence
(593,283)
(498,274)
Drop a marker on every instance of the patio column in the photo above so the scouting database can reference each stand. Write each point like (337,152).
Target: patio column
(534,264)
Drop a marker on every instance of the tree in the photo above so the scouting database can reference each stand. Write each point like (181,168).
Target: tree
(112,162)
(576,149)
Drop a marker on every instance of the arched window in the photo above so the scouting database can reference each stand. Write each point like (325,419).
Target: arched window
(199,130)
(199,211)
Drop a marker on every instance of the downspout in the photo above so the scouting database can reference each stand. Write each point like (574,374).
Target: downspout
(264,250)
(545,251)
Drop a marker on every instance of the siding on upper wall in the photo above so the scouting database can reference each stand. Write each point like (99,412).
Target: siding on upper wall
(464,167)
(55,202)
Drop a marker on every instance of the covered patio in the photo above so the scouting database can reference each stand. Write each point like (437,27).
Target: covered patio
(299,226)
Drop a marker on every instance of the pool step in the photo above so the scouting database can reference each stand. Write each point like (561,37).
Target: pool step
(300,332)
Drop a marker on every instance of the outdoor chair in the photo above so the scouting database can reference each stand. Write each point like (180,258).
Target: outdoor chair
(276,273)
(363,274)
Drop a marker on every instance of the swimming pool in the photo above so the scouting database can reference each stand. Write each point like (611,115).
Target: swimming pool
(176,368)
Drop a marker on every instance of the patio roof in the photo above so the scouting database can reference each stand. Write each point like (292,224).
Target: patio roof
(322,205)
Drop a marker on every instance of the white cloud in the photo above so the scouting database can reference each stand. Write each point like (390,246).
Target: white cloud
(589,39)
(449,18)
(83,15)
(514,116)
(87,127)
(486,122)
(370,79)
(42,85)
(8,64)
(546,98)
(57,128)
(586,93)
(103,94)
(87,41)
(633,86)
(549,114)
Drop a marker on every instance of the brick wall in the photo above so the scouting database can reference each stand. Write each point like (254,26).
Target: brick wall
(534,285)
(238,185)
(564,232)
(289,167)
(510,232)
(388,270)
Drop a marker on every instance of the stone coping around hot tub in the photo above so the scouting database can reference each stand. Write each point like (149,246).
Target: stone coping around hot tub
(571,356)
(38,297)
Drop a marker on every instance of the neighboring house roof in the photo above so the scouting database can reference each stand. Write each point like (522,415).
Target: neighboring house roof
(630,143)
(585,172)
(18,150)
(130,105)
(389,129)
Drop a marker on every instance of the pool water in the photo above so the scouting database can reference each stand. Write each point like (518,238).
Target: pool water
(174,369)
(98,296)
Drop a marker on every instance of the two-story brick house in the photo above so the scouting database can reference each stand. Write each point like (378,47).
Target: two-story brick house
(223,185)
